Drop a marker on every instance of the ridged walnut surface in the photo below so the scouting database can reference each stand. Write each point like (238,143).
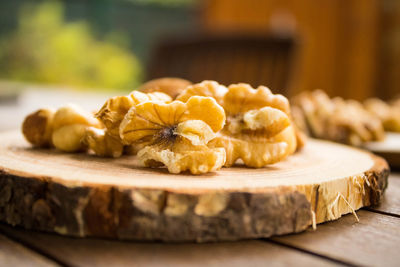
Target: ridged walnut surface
(81,195)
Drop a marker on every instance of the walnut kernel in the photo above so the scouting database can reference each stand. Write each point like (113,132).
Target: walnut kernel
(176,134)
(258,129)
(205,88)
(169,86)
(38,127)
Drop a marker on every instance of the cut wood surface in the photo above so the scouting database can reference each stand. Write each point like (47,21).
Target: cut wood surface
(100,252)
(388,149)
(14,254)
(82,195)
(371,242)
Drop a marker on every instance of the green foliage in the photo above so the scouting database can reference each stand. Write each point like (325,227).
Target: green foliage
(46,49)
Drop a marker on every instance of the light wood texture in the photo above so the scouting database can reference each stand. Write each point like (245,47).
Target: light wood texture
(337,39)
(389,149)
(14,254)
(389,49)
(100,252)
(371,242)
(80,195)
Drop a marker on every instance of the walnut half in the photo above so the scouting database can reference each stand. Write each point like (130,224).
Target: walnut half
(107,142)
(176,134)
(64,129)
(258,129)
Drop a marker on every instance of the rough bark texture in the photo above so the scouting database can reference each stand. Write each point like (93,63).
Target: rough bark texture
(149,214)
(332,199)
(378,179)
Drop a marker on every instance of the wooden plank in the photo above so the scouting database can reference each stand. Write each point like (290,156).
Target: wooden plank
(100,252)
(14,254)
(391,200)
(389,42)
(341,44)
(372,242)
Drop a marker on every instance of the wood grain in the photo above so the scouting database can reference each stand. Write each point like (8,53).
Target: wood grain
(100,252)
(337,54)
(14,254)
(371,242)
(254,58)
(81,195)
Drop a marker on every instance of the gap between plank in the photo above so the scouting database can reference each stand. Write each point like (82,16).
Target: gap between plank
(35,249)
(309,252)
(381,212)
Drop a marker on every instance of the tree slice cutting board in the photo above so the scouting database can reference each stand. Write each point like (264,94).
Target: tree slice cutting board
(82,195)
(388,149)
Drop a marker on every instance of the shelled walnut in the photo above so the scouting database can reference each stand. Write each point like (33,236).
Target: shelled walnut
(107,142)
(258,129)
(388,113)
(344,121)
(64,129)
(168,85)
(37,127)
(218,91)
(102,144)
(209,126)
(176,134)
(205,88)
(115,108)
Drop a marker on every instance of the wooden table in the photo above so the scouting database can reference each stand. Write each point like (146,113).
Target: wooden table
(374,241)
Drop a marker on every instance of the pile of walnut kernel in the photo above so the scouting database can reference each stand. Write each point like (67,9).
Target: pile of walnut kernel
(173,123)
(387,112)
(336,119)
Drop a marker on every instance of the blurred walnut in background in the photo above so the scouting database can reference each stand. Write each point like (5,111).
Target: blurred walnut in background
(336,119)
(388,113)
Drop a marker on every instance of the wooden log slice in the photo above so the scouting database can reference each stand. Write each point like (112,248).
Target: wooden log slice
(83,195)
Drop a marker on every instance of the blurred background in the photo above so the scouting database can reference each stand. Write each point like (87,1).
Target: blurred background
(349,48)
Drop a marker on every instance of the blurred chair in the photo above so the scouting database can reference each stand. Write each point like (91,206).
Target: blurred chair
(258,60)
